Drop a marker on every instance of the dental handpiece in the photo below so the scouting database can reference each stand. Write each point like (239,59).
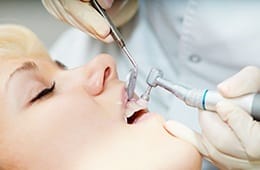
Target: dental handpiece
(202,99)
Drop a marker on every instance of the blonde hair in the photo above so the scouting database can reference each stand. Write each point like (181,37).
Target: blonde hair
(19,41)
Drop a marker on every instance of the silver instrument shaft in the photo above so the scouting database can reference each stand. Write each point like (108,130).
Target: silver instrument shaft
(131,82)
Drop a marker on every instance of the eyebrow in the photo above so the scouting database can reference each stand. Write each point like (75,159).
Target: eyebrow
(26,66)
(30,66)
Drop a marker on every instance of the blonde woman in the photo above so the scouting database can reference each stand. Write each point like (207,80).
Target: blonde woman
(58,119)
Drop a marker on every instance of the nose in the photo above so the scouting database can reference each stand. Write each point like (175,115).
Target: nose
(97,73)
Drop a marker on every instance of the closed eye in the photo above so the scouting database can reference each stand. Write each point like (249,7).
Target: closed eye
(43,93)
(61,65)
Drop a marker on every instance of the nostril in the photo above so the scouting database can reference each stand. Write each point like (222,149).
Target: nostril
(106,74)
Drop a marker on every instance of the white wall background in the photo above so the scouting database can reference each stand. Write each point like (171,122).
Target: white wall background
(33,15)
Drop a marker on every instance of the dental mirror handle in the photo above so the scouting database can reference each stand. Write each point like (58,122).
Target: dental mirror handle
(207,99)
(131,83)
(117,36)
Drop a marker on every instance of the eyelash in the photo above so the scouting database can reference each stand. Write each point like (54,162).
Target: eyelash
(60,64)
(43,93)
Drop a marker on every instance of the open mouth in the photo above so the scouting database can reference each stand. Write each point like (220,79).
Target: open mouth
(135,110)
(135,116)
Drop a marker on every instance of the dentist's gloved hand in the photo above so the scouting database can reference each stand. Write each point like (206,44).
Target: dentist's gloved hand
(230,138)
(80,14)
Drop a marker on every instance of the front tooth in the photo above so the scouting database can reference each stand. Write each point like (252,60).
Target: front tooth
(142,102)
(132,107)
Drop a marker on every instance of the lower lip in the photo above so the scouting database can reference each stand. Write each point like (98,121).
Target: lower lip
(144,117)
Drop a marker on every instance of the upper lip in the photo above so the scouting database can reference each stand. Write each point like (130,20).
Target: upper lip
(124,98)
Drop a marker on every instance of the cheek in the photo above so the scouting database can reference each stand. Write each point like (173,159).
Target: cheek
(64,116)
(59,126)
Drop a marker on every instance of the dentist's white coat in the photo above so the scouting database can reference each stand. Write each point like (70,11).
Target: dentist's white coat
(197,43)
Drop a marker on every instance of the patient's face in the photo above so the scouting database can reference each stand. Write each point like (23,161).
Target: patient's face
(53,118)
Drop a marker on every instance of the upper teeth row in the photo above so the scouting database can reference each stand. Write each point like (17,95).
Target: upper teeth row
(134,106)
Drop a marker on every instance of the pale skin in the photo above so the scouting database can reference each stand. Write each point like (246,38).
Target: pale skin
(80,123)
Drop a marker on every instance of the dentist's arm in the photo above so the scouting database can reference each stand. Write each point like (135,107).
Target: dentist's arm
(230,138)
(80,14)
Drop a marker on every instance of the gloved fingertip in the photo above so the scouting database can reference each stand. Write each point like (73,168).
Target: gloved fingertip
(169,125)
(106,4)
(169,122)
(181,131)
(221,86)
(175,128)
(102,31)
(108,39)
(109,3)
(224,88)
(224,108)
(172,127)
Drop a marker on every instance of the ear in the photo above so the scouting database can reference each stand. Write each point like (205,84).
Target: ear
(18,41)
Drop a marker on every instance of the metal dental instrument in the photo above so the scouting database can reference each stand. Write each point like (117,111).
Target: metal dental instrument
(202,99)
(132,75)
